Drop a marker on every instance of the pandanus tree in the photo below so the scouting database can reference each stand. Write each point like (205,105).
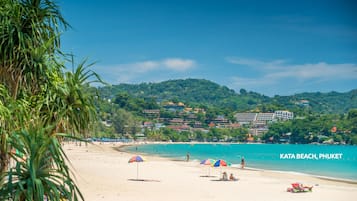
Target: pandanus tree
(29,41)
(39,102)
(40,172)
(74,107)
(41,168)
(30,37)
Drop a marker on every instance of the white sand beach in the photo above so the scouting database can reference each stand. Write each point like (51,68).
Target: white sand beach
(104,173)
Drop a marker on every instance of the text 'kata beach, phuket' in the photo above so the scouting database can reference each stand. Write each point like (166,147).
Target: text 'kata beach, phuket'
(311,156)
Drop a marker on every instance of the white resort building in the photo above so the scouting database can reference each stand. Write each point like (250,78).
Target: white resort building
(284,115)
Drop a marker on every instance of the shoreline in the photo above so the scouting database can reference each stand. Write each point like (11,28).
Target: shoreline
(224,143)
(121,147)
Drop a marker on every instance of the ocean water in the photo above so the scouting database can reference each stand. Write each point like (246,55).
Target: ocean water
(333,161)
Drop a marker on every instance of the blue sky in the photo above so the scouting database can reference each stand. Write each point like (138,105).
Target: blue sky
(270,47)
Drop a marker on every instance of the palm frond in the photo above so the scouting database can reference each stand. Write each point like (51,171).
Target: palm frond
(41,169)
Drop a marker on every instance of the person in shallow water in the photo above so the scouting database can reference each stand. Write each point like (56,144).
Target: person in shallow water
(242,163)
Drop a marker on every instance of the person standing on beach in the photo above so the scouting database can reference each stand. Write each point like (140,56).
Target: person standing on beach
(242,163)
(187,156)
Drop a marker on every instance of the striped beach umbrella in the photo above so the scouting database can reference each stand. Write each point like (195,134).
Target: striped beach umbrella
(136,159)
(220,163)
(208,162)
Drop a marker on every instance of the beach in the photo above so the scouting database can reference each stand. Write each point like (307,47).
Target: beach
(103,173)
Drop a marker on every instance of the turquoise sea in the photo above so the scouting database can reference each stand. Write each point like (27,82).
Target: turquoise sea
(333,161)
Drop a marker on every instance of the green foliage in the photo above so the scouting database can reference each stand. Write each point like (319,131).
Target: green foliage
(125,123)
(181,90)
(311,125)
(354,140)
(352,118)
(198,92)
(29,39)
(327,103)
(174,136)
(213,135)
(156,135)
(227,135)
(313,128)
(200,136)
(40,169)
(133,104)
(34,90)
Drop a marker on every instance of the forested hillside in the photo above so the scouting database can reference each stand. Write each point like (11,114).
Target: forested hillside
(320,117)
(332,102)
(192,91)
(204,92)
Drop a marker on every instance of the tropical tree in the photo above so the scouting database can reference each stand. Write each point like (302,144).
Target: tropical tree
(67,102)
(29,38)
(41,172)
(29,43)
(38,100)
(352,118)
(60,109)
(125,122)
(13,115)
(4,117)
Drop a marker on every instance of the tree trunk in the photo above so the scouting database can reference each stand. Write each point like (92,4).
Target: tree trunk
(4,164)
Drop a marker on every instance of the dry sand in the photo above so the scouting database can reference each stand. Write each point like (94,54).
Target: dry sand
(104,173)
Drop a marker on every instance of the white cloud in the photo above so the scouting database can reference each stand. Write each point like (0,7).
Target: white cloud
(255,62)
(320,70)
(246,82)
(138,67)
(175,64)
(279,69)
(178,64)
(281,74)
(130,72)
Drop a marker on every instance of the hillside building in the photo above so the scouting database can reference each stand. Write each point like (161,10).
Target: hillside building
(284,115)
(245,118)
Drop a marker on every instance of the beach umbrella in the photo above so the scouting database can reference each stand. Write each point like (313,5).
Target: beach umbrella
(220,163)
(136,159)
(208,162)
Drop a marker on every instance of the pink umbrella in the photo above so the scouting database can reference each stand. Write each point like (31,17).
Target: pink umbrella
(208,162)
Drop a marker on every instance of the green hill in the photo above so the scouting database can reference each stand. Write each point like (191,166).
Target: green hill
(331,102)
(208,93)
